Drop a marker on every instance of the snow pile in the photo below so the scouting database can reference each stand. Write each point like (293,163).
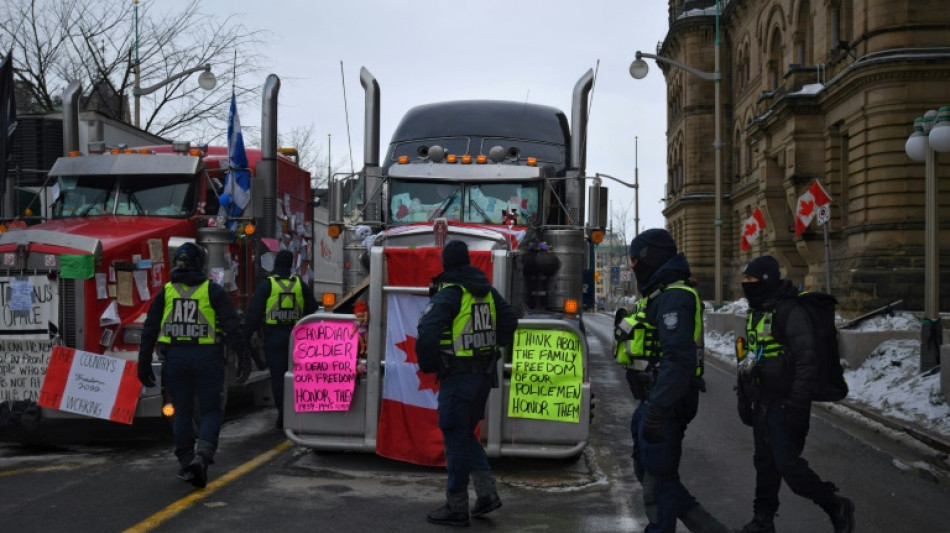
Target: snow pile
(899,321)
(890,383)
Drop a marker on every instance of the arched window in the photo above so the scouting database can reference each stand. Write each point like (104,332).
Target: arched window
(775,63)
(804,35)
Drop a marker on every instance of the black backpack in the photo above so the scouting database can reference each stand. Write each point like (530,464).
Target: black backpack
(820,307)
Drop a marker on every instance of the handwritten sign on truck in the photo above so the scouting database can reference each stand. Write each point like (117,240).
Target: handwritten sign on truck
(90,384)
(547,371)
(324,359)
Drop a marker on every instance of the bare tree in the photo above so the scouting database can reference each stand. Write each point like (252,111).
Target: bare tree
(94,41)
(311,155)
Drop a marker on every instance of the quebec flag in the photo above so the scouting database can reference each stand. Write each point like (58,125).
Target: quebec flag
(237,187)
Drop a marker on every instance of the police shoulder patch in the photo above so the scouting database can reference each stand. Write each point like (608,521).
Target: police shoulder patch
(670,320)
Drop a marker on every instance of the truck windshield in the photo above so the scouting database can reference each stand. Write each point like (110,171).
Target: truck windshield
(480,203)
(158,195)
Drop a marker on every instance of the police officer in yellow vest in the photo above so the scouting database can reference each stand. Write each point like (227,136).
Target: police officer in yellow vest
(277,305)
(661,345)
(459,334)
(186,319)
(775,399)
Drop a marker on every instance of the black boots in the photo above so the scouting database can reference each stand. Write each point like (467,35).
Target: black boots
(761,523)
(453,513)
(841,512)
(488,499)
(197,473)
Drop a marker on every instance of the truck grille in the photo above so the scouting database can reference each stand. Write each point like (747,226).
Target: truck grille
(71,324)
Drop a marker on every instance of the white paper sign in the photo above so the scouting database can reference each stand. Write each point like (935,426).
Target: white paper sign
(141,283)
(28,306)
(23,364)
(101,292)
(92,385)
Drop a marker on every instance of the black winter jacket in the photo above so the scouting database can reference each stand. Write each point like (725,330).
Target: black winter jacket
(674,314)
(445,305)
(225,315)
(790,377)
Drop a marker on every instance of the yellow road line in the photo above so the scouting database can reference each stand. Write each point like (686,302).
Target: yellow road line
(172,510)
(28,470)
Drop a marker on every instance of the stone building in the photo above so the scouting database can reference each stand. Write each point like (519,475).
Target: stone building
(811,89)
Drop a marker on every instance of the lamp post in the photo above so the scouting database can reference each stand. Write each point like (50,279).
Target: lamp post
(922,145)
(206,81)
(639,69)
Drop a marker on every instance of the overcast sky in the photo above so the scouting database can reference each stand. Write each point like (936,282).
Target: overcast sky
(423,51)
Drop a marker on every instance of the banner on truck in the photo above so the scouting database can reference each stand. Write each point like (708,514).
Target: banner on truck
(90,384)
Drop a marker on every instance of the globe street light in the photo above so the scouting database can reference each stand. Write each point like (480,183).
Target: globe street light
(639,69)
(922,145)
(206,81)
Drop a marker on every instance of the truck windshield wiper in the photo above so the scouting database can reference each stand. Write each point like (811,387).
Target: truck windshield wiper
(99,197)
(439,211)
(471,202)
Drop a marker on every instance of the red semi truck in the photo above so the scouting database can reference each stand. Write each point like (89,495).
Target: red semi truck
(84,277)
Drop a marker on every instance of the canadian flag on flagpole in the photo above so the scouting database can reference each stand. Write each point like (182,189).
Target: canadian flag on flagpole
(815,202)
(751,229)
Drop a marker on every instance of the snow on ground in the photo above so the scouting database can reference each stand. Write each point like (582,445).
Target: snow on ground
(889,381)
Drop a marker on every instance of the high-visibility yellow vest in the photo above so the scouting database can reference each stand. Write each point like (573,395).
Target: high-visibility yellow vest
(188,317)
(285,303)
(474,330)
(760,337)
(640,346)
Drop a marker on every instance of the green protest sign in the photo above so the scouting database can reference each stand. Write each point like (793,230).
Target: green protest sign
(547,372)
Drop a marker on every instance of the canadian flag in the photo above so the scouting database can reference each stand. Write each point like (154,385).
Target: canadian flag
(814,202)
(751,229)
(408,419)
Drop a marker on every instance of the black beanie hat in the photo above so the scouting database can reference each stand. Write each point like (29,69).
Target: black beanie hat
(284,260)
(454,255)
(765,268)
(653,247)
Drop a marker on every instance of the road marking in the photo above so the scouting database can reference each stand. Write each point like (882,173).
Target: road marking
(175,508)
(29,470)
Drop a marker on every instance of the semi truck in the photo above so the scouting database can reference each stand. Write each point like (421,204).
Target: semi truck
(508,179)
(84,277)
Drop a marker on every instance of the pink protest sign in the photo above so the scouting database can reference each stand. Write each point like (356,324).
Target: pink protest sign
(324,365)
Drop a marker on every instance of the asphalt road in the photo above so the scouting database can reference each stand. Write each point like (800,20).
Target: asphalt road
(262,483)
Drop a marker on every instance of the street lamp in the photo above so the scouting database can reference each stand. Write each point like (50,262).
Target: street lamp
(922,145)
(639,69)
(206,81)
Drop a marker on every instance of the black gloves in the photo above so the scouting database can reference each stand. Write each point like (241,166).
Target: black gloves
(146,376)
(797,418)
(243,366)
(653,424)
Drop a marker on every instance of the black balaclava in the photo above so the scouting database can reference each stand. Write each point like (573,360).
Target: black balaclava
(283,263)
(766,269)
(651,249)
(188,256)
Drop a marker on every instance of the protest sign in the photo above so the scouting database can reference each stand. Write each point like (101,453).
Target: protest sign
(547,371)
(90,384)
(324,365)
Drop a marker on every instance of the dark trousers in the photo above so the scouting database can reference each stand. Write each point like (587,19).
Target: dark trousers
(276,346)
(777,456)
(194,372)
(462,399)
(656,466)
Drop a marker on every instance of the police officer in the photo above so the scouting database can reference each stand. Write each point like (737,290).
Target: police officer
(185,319)
(660,345)
(776,400)
(278,304)
(460,332)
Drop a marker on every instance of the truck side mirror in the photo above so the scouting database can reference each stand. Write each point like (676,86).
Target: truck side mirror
(597,206)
